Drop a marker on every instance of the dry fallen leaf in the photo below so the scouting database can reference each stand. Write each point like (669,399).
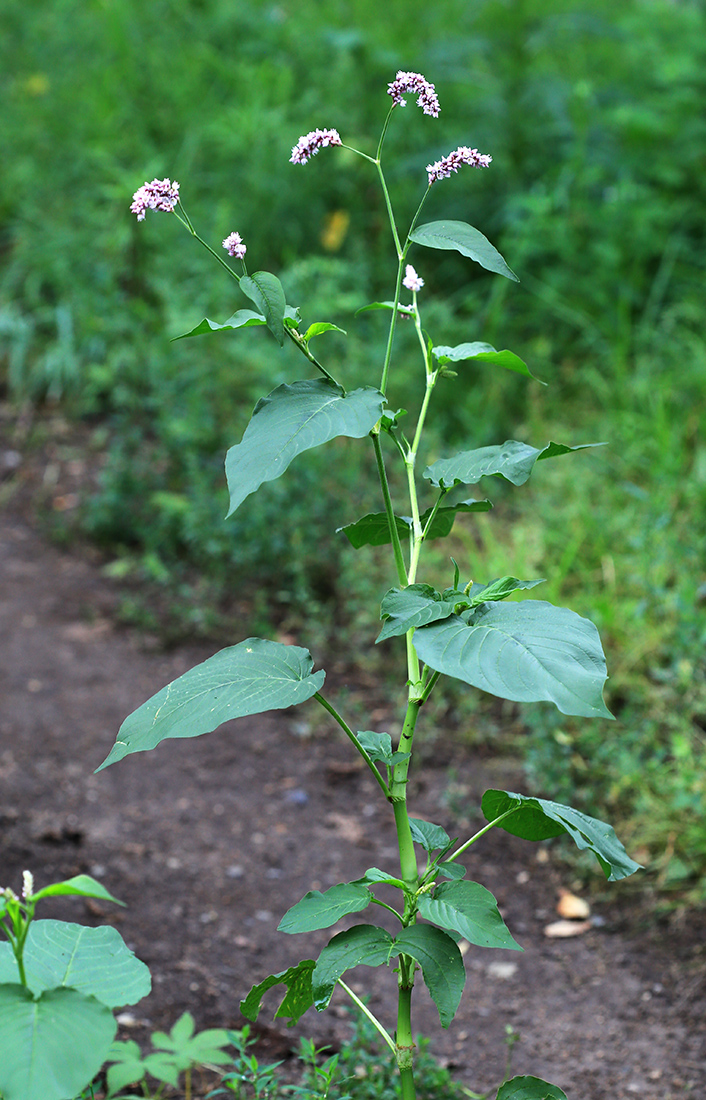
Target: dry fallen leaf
(562,929)
(571,907)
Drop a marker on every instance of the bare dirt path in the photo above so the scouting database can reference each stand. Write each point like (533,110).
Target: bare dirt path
(210,840)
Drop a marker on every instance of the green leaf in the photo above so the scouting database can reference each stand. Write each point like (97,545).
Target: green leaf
(321,910)
(538,819)
(95,961)
(379,748)
(466,240)
(81,885)
(363,944)
(292,419)
(512,460)
(500,590)
(373,529)
(297,999)
(442,965)
(484,353)
(414,606)
(450,870)
(321,326)
(265,290)
(383,878)
(529,1088)
(525,652)
(431,837)
(184,1048)
(468,908)
(242,318)
(408,311)
(254,676)
(51,1047)
(129,1068)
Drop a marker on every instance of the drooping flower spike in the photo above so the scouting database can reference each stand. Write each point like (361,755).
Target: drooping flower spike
(415,84)
(443,168)
(157,195)
(309,145)
(411,280)
(234,246)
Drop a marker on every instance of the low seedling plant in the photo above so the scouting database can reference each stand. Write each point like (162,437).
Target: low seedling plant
(474,630)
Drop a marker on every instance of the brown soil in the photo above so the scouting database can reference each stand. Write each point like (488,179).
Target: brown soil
(210,840)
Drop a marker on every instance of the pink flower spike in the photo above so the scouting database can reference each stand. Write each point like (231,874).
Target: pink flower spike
(309,145)
(157,195)
(411,279)
(443,168)
(415,84)
(234,246)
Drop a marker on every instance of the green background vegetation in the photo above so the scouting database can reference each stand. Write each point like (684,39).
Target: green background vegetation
(593,112)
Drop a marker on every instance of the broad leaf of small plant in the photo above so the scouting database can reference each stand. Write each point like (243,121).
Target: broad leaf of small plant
(525,652)
(529,1088)
(374,530)
(442,965)
(296,1000)
(471,910)
(321,910)
(465,239)
(94,961)
(265,290)
(52,1046)
(181,1048)
(80,885)
(431,837)
(483,353)
(539,819)
(254,676)
(292,419)
(128,1066)
(364,944)
(511,460)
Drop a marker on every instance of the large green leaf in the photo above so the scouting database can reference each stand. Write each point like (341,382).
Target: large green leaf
(321,910)
(441,962)
(526,652)
(52,1047)
(471,910)
(96,961)
(512,460)
(265,290)
(529,1088)
(291,419)
(254,676)
(465,239)
(538,819)
(484,353)
(374,530)
(80,886)
(364,944)
(297,999)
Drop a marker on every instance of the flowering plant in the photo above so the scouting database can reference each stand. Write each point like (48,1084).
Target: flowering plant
(473,631)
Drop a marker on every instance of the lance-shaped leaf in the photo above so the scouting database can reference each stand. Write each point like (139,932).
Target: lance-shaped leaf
(265,290)
(414,606)
(465,239)
(483,353)
(96,961)
(500,590)
(431,837)
(471,910)
(407,310)
(292,419)
(512,460)
(374,530)
(51,1047)
(538,819)
(254,676)
(441,962)
(374,876)
(525,652)
(529,1088)
(242,318)
(80,885)
(321,326)
(321,910)
(365,944)
(296,1000)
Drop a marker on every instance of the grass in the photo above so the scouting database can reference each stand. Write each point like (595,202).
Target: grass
(596,196)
